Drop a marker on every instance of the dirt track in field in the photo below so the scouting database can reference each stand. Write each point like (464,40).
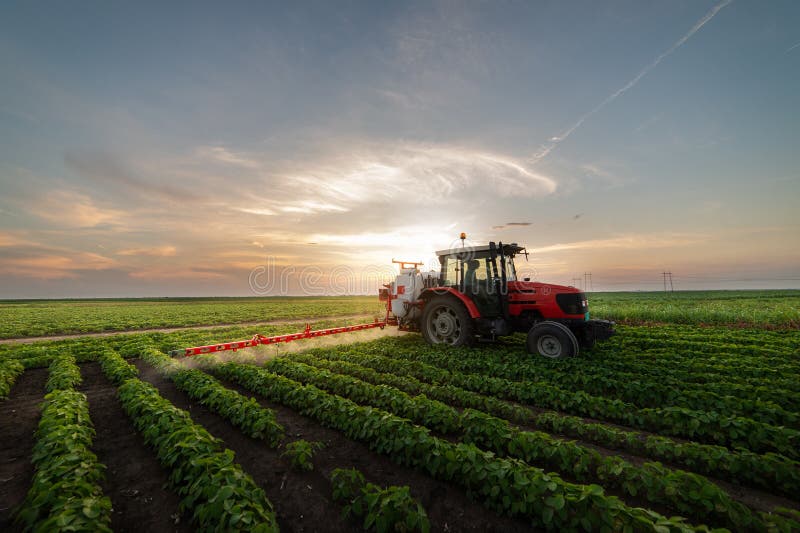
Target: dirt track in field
(303,500)
(276,322)
(134,480)
(19,418)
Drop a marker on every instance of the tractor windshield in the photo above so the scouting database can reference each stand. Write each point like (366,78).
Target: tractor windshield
(511,272)
(471,269)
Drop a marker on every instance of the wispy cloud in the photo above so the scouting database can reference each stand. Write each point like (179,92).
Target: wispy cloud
(221,154)
(72,209)
(43,265)
(351,174)
(153,251)
(629,242)
(510,224)
(172,273)
(370,171)
(548,147)
(796,45)
(110,171)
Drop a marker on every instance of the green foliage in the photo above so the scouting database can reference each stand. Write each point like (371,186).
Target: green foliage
(390,509)
(507,486)
(9,371)
(117,369)
(771,472)
(64,373)
(651,481)
(243,412)
(214,490)
(65,494)
(431,413)
(301,453)
(766,308)
(33,318)
(441,366)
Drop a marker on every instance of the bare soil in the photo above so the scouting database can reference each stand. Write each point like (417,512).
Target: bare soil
(303,500)
(19,418)
(135,481)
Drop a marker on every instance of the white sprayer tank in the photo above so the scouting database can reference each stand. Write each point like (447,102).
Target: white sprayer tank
(406,289)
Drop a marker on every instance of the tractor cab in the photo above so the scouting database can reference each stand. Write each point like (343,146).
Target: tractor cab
(482,273)
(478,296)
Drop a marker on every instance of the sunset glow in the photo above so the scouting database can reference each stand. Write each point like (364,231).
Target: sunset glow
(145,155)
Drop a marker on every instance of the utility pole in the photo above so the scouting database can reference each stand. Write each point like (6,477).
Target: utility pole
(587,282)
(668,276)
(576,282)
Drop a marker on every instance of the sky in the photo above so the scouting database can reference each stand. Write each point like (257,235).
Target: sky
(260,148)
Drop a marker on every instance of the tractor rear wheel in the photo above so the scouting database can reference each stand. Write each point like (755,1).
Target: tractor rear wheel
(445,320)
(552,339)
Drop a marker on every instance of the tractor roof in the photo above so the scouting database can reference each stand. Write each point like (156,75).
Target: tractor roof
(508,249)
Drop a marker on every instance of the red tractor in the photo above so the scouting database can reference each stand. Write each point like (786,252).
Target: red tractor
(477,295)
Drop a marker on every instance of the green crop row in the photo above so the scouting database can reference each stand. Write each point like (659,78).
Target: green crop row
(9,371)
(674,383)
(506,485)
(245,413)
(705,426)
(752,340)
(117,369)
(704,365)
(385,510)
(64,373)
(605,382)
(777,355)
(701,373)
(25,319)
(769,472)
(430,413)
(214,489)
(778,308)
(65,493)
(661,353)
(709,427)
(622,366)
(683,492)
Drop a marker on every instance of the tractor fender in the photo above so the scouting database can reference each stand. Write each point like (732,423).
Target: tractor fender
(427,294)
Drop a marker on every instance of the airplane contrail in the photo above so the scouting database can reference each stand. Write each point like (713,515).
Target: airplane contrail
(554,141)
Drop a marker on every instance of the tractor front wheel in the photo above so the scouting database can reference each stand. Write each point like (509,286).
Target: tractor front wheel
(552,339)
(446,321)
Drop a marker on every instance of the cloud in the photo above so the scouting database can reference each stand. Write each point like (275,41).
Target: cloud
(72,209)
(263,211)
(176,274)
(311,206)
(223,155)
(629,242)
(39,265)
(554,141)
(507,224)
(156,251)
(115,176)
(9,239)
(426,171)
